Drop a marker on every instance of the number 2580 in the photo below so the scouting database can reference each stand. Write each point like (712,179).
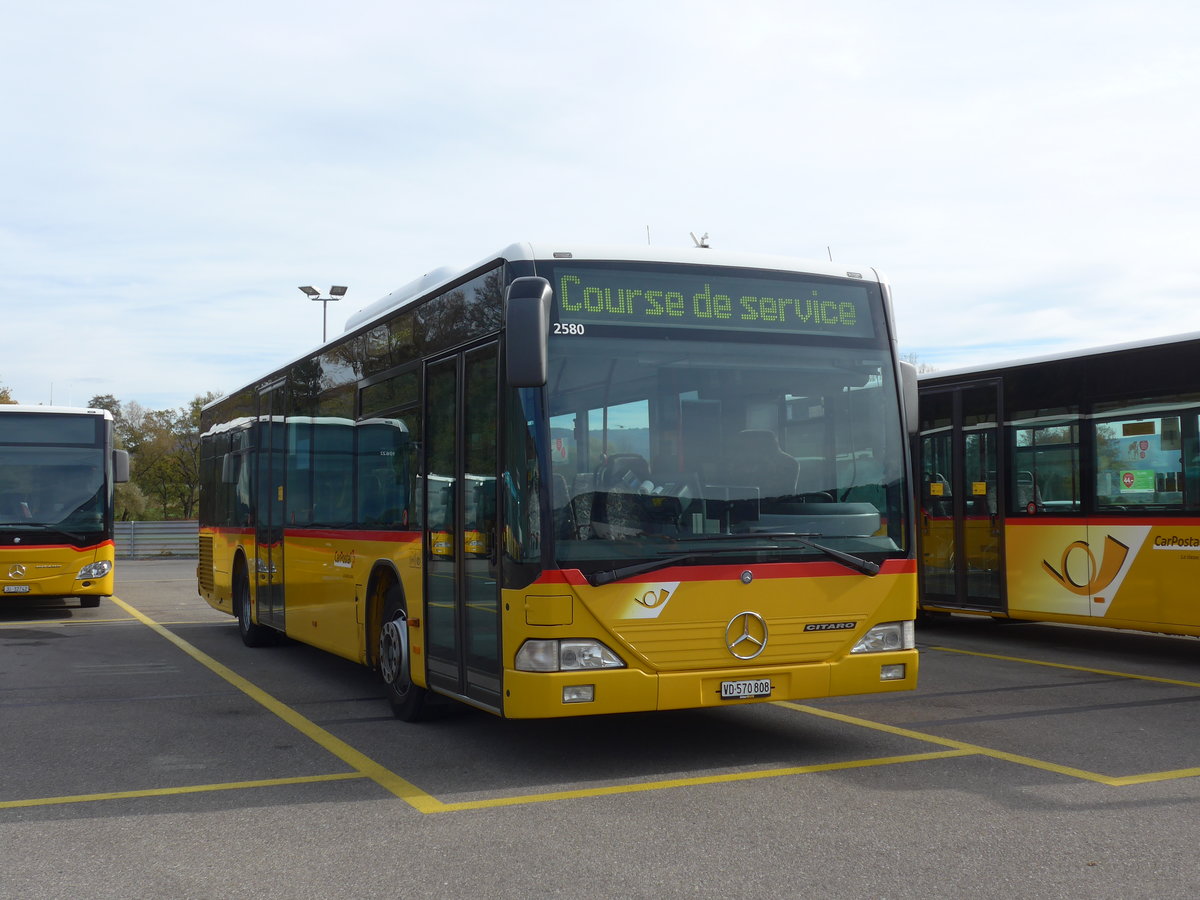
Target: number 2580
(568,328)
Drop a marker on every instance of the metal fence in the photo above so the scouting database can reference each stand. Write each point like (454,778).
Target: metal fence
(143,540)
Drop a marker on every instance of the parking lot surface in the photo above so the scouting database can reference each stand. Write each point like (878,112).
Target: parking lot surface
(145,752)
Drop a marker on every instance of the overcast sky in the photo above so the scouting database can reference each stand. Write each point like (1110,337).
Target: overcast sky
(1025,173)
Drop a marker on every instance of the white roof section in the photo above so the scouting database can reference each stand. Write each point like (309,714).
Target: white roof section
(1165,341)
(533,251)
(57,410)
(699,256)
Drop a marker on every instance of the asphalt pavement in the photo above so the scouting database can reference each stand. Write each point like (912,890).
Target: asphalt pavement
(146,753)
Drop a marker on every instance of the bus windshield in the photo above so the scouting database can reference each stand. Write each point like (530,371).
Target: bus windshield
(52,487)
(714,445)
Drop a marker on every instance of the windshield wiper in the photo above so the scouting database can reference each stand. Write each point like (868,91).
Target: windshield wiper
(849,560)
(598,578)
(42,526)
(857,563)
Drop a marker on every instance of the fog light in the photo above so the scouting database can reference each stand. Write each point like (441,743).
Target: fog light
(892,673)
(579,693)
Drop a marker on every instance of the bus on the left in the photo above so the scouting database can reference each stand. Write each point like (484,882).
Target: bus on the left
(57,471)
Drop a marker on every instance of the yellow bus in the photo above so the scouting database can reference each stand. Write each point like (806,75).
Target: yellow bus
(1065,488)
(57,470)
(573,480)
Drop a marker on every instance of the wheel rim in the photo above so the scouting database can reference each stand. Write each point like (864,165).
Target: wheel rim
(393,650)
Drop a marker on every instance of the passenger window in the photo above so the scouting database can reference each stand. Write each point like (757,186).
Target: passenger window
(1139,464)
(1045,468)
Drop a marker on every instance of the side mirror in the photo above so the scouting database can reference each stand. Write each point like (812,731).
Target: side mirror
(120,464)
(909,395)
(527,324)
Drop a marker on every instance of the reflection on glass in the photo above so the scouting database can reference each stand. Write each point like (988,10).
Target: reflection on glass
(660,446)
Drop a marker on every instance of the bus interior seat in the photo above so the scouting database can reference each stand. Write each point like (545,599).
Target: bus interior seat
(760,461)
(628,469)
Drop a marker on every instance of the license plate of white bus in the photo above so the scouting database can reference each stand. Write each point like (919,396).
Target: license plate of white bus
(16,589)
(754,687)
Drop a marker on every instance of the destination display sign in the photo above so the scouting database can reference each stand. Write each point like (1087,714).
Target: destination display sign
(712,299)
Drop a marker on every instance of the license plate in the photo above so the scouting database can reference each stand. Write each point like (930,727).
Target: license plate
(16,589)
(755,687)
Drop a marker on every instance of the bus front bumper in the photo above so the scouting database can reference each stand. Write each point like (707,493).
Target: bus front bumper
(531,695)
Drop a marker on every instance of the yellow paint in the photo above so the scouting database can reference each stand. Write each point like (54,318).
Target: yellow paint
(358,761)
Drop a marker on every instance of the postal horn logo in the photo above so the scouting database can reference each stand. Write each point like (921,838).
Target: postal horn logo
(1099,576)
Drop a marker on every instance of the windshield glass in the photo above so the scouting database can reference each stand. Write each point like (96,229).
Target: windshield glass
(57,487)
(714,443)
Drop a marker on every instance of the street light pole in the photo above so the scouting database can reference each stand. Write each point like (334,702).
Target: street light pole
(337,292)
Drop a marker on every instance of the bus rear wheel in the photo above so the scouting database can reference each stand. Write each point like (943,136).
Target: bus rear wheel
(395,660)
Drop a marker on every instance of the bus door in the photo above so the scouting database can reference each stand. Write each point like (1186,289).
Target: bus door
(961,513)
(268,523)
(462,597)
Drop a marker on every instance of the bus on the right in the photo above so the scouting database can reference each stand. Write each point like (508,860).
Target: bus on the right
(1065,488)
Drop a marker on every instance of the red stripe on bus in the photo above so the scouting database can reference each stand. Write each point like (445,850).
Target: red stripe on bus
(27,546)
(725,572)
(1102,519)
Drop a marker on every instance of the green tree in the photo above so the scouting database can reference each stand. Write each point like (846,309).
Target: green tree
(164,452)
(6,395)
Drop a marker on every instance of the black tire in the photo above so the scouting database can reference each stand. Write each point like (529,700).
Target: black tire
(406,699)
(252,635)
(89,602)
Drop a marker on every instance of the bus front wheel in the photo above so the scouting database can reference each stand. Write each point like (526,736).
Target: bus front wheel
(395,661)
(252,635)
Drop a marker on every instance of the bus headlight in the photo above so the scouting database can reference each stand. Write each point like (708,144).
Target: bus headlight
(95,570)
(566,656)
(887,636)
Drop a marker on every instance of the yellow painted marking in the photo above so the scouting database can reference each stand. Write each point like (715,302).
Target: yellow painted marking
(1054,665)
(360,762)
(190,789)
(698,780)
(25,623)
(364,767)
(75,623)
(966,748)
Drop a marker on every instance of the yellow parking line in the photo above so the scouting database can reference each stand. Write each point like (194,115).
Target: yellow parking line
(979,750)
(1054,665)
(189,789)
(358,761)
(692,782)
(27,622)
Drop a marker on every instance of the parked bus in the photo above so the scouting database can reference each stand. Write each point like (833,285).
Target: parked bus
(574,480)
(57,470)
(1066,488)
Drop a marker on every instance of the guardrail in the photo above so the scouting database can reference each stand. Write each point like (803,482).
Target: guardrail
(143,540)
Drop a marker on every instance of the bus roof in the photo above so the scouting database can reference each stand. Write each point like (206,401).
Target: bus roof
(525,251)
(56,410)
(1147,343)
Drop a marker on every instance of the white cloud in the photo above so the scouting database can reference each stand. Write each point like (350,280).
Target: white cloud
(1022,173)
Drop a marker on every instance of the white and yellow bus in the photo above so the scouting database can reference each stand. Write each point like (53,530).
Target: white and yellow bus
(572,480)
(57,470)
(1066,488)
